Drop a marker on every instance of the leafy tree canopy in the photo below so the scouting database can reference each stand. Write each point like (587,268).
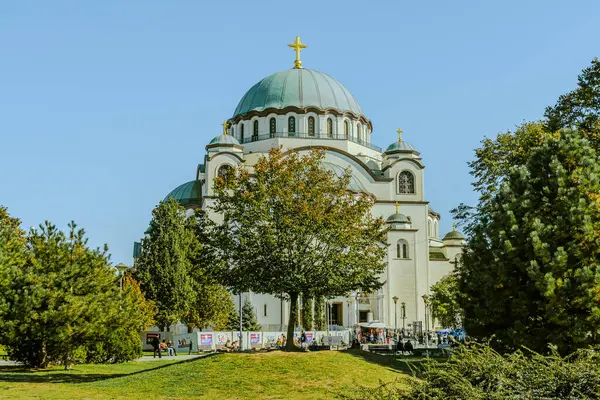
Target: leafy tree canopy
(580,108)
(529,273)
(444,302)
(293,227)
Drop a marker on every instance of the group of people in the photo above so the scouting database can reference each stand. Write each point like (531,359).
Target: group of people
(160,346)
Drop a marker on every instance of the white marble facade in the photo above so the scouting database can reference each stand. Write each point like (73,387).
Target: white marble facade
(416,257)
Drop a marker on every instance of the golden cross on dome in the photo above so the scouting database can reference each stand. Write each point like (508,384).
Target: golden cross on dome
(297,46)
(225,125)
(397,205)
(453,227)
(399,134)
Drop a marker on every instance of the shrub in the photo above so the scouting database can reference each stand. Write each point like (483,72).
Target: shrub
(481,373)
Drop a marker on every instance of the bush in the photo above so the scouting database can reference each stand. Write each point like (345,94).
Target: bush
(482,373)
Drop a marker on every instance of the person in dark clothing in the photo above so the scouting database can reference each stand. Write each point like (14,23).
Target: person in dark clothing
(190,347)
(400,347)
(156,347)
(408,347)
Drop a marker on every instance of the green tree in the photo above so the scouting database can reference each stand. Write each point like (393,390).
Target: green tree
(249,321)
(307,311)
(212,302)
(13,256)
(62,299)
(529,273)
(164,266)
(120,339)
(580,108)
(444,302)
(233,318)
(294,227)
(319,313)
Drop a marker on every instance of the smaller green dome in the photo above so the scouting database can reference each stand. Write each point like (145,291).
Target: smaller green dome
(454,235)
(400,145)
(189,194)
(398,219)
(225,139)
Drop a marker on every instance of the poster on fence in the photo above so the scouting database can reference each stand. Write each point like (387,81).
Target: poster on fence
(206,340)
(309,338)
(184,342)
(254,338)
(222,338)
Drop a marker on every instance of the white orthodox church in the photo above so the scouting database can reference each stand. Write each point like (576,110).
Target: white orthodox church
(301,109)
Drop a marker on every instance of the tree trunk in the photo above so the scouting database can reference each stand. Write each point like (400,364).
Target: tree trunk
(44,358)
(290,346)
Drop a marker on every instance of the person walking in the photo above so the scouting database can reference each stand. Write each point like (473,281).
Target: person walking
(156,347)
(190,347)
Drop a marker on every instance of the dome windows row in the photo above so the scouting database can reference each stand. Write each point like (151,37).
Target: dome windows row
(302,126)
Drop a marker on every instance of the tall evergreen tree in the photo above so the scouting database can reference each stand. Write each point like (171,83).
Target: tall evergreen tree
(445,302)
(294,227)
(164,269)
(249,321)
(233,318)
(63,300)
(529,274)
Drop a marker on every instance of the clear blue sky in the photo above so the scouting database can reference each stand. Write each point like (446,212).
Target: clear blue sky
(107,106)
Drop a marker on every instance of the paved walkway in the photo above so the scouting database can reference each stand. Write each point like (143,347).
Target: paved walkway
(4,363)
(176,358)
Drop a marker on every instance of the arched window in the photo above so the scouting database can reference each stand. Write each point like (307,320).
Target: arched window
(329,127)
(346,128)
(358,133)
(291,126)
(232,131)
(255,131)
(223,171)
(311,126)
(242,133)
(272,127)
(429,232)
(406,182)
(402,249)
(435,229)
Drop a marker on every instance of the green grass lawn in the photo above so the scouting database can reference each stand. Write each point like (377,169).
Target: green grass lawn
(274,375)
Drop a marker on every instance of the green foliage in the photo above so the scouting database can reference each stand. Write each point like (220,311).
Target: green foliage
(529,273)
(164,265)
(249,322)
(233,318)
(293,227)
(444,302)
(481,374)
(13,256)
(319,313)
(307,312)
(580,108)
(121,338)
(64,300)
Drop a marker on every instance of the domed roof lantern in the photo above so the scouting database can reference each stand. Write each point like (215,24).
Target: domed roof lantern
(400,145)
(397,218)
(224,139)
(454,234)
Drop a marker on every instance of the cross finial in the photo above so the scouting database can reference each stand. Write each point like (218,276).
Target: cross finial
(453,227)
(225,125)
(399,134)
(397,205)
(297,46)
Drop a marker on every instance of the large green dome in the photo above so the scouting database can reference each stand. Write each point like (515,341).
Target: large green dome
(300,88)
(188,195)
